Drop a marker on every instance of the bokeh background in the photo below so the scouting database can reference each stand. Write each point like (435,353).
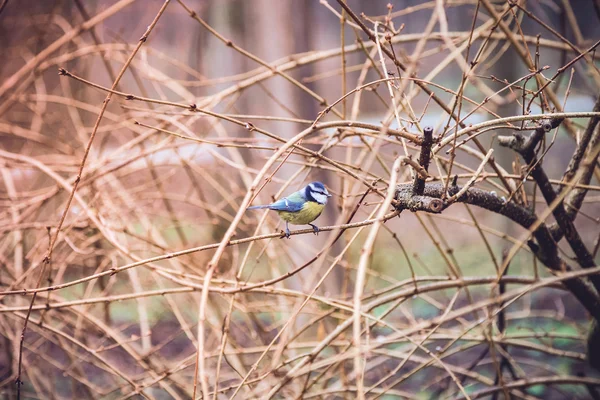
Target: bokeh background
(163,176)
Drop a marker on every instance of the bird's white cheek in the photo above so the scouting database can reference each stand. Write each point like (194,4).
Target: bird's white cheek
(320,198)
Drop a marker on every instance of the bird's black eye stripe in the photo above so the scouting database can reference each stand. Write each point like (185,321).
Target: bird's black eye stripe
(318,191)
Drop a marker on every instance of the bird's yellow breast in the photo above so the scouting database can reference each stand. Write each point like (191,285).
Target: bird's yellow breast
(309,212)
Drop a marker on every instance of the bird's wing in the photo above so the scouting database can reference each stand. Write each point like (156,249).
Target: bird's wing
(292,203)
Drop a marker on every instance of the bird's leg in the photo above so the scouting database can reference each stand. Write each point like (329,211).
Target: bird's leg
(315,228)
(287,230)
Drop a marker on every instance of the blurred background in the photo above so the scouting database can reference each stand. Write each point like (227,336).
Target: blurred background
(211,95)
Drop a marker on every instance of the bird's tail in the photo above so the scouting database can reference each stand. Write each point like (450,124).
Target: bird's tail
(257,207)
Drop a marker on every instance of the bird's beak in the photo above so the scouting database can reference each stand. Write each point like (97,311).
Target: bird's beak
(328,195)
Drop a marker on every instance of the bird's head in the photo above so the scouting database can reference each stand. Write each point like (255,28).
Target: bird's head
(316,192)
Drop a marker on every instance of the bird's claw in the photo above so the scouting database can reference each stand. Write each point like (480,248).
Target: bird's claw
(286,234)
(315,229)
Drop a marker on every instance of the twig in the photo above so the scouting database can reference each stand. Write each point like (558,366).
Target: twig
(360,276)
(471,181)
(48,256)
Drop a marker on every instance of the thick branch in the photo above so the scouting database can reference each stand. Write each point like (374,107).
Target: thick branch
(545,249)
(526,150)
(589,140)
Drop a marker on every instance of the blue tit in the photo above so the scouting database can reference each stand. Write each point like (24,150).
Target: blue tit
(301,207)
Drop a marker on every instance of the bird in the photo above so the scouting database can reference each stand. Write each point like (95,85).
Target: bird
(301,207)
